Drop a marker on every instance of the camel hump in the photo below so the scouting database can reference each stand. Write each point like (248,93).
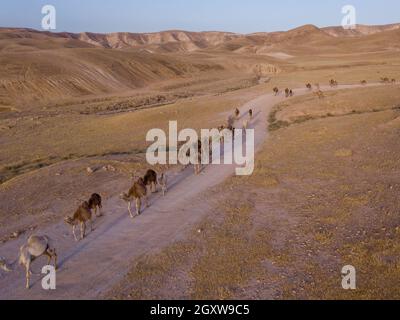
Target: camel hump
(37,245)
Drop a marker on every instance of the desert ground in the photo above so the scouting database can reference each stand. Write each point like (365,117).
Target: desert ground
(74,113)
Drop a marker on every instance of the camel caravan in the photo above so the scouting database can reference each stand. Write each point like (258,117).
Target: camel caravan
(39,246)
(83,217)
(318,92)
(288,92)
(142,188)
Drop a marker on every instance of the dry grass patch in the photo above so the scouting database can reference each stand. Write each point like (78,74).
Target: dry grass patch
(223,254)
(336,103)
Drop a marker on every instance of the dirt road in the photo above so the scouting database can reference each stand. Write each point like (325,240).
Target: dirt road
(89,268)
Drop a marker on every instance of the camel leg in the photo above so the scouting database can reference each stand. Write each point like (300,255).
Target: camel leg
(73,232)
(138,206)
(146,201)
(91,225)
(83,230)
(130,209)
(28,274)
(54,254)
(49,256)
(51,253)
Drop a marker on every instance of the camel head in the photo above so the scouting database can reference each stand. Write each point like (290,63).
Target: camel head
(3,265)
(69,220)
(124,196)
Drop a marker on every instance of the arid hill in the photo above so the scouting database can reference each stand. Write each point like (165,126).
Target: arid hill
(360,30)
(184,41)
(41,68)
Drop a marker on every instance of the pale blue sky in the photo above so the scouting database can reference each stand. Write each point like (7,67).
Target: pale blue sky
(243,16)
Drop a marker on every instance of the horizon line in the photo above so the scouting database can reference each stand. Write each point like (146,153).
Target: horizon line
(191,31)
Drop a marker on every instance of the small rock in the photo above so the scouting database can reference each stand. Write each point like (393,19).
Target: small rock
(15,234)
(109,168)
(343,153)
(89,170)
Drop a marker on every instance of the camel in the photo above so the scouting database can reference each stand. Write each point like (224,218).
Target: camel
(276,91)
(364,82)
(309,86)
(95,204)
(251,113)
(221,130)
(333,83)
(36,246)
(163,181)
(198,154)
(385,80)
(137,192)
(320,94)
(150,179)
(287,92)
(82,215)
(393,80)
(221,127)
(232,129)
(291,94)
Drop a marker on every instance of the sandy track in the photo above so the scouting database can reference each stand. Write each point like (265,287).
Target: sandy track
(88,269)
